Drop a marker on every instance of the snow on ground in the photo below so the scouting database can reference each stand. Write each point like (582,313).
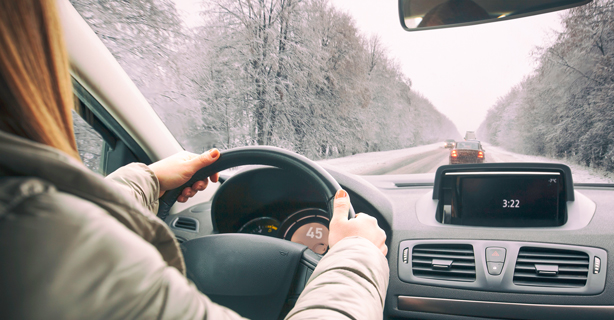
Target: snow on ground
(581,174)
(366,162)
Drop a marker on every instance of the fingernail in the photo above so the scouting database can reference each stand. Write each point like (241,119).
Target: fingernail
(214,153)
(341,194)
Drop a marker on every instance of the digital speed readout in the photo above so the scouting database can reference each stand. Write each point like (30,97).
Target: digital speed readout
(509,200)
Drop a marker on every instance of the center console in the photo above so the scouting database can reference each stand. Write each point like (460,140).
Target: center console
(532,198)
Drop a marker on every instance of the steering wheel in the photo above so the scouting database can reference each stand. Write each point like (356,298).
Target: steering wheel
(251,274)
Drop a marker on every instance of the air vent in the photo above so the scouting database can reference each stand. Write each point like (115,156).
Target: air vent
(452,262)
(186,223)
(544,267)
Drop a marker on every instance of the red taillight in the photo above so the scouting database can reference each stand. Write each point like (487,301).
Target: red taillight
(480,154)
(454,154)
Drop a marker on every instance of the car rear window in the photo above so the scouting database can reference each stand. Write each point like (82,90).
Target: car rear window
(467,145)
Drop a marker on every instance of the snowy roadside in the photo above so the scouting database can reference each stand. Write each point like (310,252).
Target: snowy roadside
(370,161)
(581,174)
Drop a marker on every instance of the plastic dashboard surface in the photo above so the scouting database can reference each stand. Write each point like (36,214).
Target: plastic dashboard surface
(394,200)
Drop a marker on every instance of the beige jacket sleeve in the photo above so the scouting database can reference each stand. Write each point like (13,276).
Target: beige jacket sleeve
(139,182)
(350,282)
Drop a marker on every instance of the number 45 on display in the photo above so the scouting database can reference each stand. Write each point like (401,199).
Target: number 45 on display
(317,234)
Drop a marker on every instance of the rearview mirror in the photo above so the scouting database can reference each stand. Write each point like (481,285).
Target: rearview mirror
(436,14)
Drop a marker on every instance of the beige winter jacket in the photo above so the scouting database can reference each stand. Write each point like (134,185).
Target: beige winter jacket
(75,245)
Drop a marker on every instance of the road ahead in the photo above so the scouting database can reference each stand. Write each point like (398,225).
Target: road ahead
(429,161)
(417,163)
(426,159)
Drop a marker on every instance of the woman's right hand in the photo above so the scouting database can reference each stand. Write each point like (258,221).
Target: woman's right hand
(363,225)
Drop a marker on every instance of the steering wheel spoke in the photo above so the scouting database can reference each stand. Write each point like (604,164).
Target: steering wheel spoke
(309,262)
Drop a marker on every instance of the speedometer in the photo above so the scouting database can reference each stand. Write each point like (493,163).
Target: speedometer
(264,226)
(308,227)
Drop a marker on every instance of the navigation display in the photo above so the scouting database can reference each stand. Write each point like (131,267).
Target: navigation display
(508,201)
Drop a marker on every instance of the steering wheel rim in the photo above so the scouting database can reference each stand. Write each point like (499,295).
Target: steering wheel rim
(261,155)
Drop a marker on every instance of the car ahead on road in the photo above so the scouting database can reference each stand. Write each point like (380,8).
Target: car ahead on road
(467,152)
(543,255)
(470,135)
(450,143)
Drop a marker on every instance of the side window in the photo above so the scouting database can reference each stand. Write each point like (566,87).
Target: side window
(89,143)
(103,144)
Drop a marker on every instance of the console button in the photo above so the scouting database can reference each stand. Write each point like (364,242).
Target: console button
(597,265)
(495,254)
(494,268)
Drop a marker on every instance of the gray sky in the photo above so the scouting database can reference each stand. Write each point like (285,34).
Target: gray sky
(461,70)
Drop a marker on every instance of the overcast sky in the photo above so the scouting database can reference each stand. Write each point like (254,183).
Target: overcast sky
(461,70)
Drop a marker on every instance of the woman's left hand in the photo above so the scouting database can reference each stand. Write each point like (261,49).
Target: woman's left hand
(177,169)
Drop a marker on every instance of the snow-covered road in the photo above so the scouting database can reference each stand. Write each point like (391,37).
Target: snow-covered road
(426,159)
(384,162)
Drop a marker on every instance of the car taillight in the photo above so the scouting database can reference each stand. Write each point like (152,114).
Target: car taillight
(480,154)
(454,154)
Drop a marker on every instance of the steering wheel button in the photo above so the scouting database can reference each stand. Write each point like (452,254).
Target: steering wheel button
(495,254)
(494,268)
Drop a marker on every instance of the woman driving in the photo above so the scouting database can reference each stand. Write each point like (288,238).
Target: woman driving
(76,245)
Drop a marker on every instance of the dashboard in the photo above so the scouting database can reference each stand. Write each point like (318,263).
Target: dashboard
(443,269)
(256,202)
(308,227)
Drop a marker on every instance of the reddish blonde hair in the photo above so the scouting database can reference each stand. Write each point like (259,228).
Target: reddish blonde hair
(36,96)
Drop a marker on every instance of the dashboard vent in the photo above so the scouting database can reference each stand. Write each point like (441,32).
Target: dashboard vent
(186,223)
(546,267)
(452,262)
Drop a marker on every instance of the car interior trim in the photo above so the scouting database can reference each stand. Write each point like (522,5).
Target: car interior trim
(504,310)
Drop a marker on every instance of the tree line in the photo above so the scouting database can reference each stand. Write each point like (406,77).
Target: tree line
(566,108)
(291,73)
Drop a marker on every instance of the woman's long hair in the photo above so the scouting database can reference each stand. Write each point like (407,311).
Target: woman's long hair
(36,96)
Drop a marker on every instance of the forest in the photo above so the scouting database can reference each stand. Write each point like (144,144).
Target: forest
(290,73)
(565,109)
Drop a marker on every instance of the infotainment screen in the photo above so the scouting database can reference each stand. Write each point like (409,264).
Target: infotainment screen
(506,199)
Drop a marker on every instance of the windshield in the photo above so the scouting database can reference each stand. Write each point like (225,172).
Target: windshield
(340,82)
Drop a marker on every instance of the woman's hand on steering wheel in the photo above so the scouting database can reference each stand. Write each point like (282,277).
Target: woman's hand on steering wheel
(363,225)
(174,171)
